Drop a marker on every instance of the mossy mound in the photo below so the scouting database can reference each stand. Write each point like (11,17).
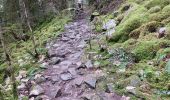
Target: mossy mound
(148,49)
(159,16)
(139,24)
(135,17)
(154,9)
(145,29)
(151,3)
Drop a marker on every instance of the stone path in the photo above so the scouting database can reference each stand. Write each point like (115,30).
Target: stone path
(67,77)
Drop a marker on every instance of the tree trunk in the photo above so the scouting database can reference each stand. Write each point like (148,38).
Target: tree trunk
(11,69)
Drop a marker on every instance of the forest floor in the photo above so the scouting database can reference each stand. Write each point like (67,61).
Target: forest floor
(126,56)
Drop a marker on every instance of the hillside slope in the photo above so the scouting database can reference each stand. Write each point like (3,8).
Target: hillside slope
(135,48)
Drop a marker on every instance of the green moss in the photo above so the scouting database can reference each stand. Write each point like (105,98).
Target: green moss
(166,9)
(154,9)
(129,44)
(136,1)
(166,21)
(162,82)
(163,51)
(148,49)
(159,16)
(145,29)
(150,27)
(152,3)
(167,32)
(135,33)
(119,18)
(134,19)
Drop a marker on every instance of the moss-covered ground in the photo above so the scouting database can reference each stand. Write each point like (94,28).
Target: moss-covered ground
(138,22)
(20,51)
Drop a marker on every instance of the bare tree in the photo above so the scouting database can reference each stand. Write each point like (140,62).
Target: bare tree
(10,68)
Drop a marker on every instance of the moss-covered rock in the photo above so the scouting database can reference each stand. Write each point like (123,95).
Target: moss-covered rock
(135,17)
(166,9)
(166,21)
(151,3)
(154,9)
(145,29)
(150,27)
(135,33)
(129,44)
(136,1)
(167,33)
(119,18)
(159,16)
(148,49)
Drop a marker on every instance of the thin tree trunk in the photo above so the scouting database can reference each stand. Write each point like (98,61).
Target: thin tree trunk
(1,95)
(11,69)
(30,28)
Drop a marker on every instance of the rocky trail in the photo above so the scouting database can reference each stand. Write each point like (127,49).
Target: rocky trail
(67,76)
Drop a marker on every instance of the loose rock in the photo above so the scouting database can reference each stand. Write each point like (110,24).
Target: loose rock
(161,32)
(22,86)
(89,64)
(37,90)
(131,89)
(66,76)
(91,81)
(55,78)
(78,81)
(55,60)
(72,71)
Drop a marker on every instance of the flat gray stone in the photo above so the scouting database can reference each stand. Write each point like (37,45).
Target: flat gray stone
(66,76)
(87,96)
(55,60)
(91,81)
(37,90)
(55,92)
(95,97)
(55,78)
(89,64)
(65,64)
(72,71)
(78,81)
